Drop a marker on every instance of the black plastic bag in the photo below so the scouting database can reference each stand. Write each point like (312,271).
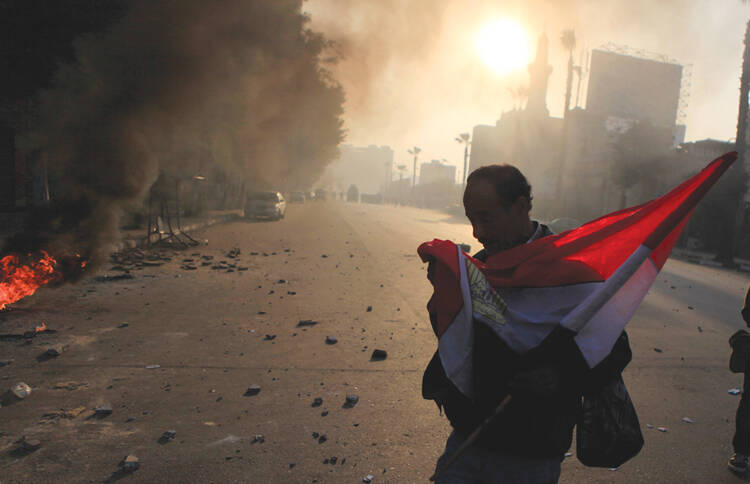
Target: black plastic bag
(608,433)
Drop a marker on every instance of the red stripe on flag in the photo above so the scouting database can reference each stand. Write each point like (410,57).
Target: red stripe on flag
(446,281)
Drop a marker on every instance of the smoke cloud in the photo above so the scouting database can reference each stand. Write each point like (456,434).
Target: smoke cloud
(174,86)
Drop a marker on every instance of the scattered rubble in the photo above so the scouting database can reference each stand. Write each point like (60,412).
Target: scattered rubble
(317,402)
(252,390)
(108,278)
(368,478)
(351,401)
(658,350)
(54,350)
(369,309)
(70,385)
(62,413)
(21,390)
(734,391)
(331,340)
(306,322)
(130,463)
(167,436)
(103,410)
(269,337)
(153,367)
(30,445)
(379,355)
(661,429)
(687,419)
(258,438)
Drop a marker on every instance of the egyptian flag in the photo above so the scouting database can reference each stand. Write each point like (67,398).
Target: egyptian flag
(589,280)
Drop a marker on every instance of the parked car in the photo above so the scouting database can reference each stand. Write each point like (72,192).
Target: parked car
(265,205)
(296,197)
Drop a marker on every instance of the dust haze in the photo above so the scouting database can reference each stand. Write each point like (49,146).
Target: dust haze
(412,76)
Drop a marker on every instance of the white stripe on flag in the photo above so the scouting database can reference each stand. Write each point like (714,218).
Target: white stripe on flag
(612,306)
(533,312)
(456,345)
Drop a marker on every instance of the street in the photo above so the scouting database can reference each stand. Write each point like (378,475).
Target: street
(353,271)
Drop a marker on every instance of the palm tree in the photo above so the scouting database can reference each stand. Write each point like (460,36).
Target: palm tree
(568,40)
(464,139)
(414,151)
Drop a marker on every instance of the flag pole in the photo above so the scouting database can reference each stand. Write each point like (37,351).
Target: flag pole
(471,439)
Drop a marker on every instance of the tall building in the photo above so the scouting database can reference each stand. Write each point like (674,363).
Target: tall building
(630,118)
(539,73)
(436,172)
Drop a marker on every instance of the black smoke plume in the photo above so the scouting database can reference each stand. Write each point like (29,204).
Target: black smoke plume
(168,87)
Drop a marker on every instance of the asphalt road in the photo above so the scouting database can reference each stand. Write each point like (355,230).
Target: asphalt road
(206,329)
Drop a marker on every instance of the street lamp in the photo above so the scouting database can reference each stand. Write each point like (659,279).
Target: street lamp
(464,139)
(415,151)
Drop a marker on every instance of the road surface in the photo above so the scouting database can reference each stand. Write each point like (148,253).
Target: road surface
(353,269)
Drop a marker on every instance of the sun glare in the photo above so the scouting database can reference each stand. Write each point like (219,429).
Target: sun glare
(503,46)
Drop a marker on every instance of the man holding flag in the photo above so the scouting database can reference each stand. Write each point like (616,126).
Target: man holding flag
(536,320)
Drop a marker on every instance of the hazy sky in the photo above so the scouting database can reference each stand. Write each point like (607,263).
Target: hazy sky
(413,76)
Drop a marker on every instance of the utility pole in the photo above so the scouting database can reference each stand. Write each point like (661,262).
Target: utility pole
(464,139)
(415,151)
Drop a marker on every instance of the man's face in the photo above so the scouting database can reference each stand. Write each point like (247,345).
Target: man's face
(495,227)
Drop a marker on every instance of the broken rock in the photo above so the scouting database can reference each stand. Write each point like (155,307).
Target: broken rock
(21,390)
(252,390)
(130,463)
(55,350)
(379,355)
(103,409)
(331,340)
(351,401)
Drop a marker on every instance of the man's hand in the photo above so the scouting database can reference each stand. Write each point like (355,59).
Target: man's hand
(541,382)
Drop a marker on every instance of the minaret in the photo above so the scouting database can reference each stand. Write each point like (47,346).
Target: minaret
(539,73)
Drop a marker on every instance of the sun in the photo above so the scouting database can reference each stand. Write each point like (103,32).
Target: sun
(503,46)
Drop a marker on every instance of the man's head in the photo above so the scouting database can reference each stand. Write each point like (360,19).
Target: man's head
(497,201)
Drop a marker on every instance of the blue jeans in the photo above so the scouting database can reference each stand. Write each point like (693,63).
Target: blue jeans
(482,466)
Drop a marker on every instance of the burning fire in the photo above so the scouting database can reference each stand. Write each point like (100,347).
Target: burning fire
(20,278)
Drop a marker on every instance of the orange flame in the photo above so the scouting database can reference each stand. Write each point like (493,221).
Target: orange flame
(18,280)
(41,328)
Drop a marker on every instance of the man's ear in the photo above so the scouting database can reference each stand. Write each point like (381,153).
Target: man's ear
(521,205)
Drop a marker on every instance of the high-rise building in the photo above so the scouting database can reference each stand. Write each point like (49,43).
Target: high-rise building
(436,172)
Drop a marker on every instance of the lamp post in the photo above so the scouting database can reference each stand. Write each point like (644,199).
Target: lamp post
(414,151)
(465,140)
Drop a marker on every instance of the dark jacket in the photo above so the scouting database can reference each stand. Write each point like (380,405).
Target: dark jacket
(529,426)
